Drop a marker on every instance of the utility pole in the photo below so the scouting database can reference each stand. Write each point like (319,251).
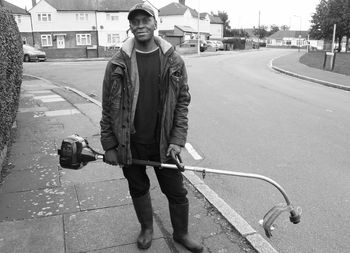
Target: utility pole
(198,33)
(259,29)
(333,46)
(333,40)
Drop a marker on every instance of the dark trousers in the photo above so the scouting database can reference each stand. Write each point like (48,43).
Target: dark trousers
(170,180)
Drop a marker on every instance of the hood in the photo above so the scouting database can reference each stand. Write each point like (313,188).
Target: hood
(129,44)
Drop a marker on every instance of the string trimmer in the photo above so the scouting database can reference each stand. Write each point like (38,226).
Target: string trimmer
(75,153)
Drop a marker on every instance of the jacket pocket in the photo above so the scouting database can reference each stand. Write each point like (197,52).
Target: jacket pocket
(176,77)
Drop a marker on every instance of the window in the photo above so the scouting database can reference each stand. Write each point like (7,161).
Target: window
(112,17)
(82,17)
(44,17)
(46,40)
(113,38)
(18,18)
(83,39)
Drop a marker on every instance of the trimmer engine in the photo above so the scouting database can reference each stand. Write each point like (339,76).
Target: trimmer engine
(75,152)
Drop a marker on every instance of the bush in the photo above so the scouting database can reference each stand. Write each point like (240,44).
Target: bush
(11,57)
(234,43)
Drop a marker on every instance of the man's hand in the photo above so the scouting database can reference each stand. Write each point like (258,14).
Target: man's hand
(176,149)
(111,157)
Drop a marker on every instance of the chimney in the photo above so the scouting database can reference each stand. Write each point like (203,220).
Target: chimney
(33,3)
(182,2)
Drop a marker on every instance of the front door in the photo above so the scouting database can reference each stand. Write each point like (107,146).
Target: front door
(60,41)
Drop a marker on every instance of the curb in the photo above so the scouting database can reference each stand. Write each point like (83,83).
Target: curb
(260,244)
(311,79)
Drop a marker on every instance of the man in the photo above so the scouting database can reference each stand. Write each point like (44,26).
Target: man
(144,116)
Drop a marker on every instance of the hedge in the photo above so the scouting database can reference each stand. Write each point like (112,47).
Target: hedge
(11,67)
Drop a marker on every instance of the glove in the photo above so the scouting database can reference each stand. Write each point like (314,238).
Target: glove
(111,156)
(175,148)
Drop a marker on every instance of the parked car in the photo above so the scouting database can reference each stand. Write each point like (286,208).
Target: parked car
(194,43)
(220,45)
(33,54)
(213,44)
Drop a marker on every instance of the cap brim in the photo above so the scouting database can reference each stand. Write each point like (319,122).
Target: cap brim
(134,12)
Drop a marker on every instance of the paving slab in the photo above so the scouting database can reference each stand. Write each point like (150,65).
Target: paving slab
(31,179)
(60,105)
(79,124)
(33,85)
(91,110)
(36,146)
(72,97)
(158,246)
(38,203)
(102,228)
(38,129)
(92,172)
(32,161)
(41,235)
(103,194)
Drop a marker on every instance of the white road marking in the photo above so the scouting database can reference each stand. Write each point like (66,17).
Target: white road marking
(192,152)
(62,112)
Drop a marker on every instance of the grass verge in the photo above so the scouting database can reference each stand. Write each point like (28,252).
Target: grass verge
(315,60)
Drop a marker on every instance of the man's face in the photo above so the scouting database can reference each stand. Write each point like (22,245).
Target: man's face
(143,26)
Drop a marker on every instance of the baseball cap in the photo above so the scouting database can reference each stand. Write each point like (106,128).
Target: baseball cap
(143,7)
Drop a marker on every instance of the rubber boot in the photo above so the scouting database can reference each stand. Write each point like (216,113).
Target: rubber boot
(143,209)
(179,221)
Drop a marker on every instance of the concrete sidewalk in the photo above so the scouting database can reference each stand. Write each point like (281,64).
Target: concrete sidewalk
(44,208)
(290,65)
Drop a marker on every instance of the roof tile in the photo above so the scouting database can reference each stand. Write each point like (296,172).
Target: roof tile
(15,9)
(93,5)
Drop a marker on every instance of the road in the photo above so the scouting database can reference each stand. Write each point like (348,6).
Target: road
(246,117)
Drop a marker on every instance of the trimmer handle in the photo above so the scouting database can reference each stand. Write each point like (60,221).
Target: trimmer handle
(295,217)
(177,160)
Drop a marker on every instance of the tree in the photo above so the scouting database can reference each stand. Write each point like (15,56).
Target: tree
(335,16)
(224,17)
(237,33)
(284,28)
(327,14)
(261,32)
(273,29)
(346,15)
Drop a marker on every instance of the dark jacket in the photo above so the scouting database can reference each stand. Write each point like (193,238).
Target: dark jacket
(119,99)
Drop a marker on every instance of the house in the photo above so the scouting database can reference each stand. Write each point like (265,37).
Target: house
(23,21)
(80,28)
(178,35)
(216,28)
(178,22)
(288,39)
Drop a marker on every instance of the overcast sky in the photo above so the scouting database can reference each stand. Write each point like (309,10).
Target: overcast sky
(245,13)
